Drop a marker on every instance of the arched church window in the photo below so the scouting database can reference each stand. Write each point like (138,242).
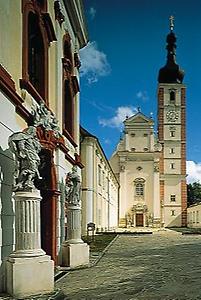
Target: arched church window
(36,55)
(139,184)
(172,96)
(38,33)
(139,189)
(68,95)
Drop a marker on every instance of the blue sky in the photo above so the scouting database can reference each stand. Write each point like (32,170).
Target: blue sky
(121,62)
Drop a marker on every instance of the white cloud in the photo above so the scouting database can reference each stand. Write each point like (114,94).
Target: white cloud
(120,115)
(94,63)
(142,95)
(92,12)
(107,141)
(193,171)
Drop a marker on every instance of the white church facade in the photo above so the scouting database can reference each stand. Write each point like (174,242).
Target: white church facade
(151,168)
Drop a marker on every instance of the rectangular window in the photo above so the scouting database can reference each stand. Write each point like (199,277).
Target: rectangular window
(172,212)
(108,185)
(172,133)
(172,151)
(197,216)
(103,180)
(99,174)
(68,108)
(172,166)
(132,134)
(172,198)
(191,217)
(194,217)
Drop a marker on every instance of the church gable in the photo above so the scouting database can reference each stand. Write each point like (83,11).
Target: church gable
(138,118)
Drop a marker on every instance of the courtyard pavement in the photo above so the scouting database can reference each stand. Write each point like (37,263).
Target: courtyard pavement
(164,265)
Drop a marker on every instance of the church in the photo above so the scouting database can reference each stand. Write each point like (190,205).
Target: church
(151,167)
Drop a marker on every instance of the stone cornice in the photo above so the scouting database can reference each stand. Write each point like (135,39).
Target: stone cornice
(77,19)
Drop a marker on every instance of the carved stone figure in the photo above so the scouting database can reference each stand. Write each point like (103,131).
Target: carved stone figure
(73,187)
(157,146)
(42,116)
(25,147)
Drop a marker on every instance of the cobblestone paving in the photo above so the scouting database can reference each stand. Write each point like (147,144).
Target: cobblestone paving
(165,266)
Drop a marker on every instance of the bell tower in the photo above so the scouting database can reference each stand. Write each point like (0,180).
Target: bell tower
(172,136)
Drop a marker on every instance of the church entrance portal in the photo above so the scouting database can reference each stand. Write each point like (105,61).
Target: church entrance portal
(139,220)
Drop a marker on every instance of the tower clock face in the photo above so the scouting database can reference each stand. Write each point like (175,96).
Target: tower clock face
(172,115)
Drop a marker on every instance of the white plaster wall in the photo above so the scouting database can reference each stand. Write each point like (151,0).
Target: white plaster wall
(11,22)
(194,216)
(9,123)
(177,132)
(167,166)
(172,221)
(177,150)
(98,205)
(172,187)
(139,142)
(113,207)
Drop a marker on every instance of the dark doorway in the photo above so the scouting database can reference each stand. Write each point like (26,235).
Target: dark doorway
(48,203)
(139,220)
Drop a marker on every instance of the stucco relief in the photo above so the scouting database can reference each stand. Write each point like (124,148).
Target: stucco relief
(139,207)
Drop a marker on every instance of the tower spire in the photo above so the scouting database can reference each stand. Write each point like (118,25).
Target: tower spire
(171,18)
(171,72)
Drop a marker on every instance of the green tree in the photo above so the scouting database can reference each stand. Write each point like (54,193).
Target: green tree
(193,193)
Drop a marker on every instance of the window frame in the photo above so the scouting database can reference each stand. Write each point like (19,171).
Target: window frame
(139,187)
(173,213)
(172,198)
(40,11)
(172,97)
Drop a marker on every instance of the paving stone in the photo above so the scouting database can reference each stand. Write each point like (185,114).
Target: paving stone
(154,267)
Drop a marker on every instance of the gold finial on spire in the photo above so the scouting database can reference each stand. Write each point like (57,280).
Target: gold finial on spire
(171,18)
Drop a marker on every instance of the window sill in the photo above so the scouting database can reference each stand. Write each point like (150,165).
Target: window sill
(27,85)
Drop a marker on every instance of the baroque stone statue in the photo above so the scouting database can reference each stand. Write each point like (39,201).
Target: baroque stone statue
(42,116)
(73,188)
(25,146)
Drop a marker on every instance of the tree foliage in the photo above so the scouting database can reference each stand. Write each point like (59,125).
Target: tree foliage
(193,193)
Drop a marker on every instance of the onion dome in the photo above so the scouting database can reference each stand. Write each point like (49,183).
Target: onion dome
(171,72)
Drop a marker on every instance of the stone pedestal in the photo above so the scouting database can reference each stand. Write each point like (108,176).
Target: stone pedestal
(29,270)
(74,251)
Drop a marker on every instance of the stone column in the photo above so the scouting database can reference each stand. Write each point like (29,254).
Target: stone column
(27,224)
(29,270)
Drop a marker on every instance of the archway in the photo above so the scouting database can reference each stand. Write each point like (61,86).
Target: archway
(49,193)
